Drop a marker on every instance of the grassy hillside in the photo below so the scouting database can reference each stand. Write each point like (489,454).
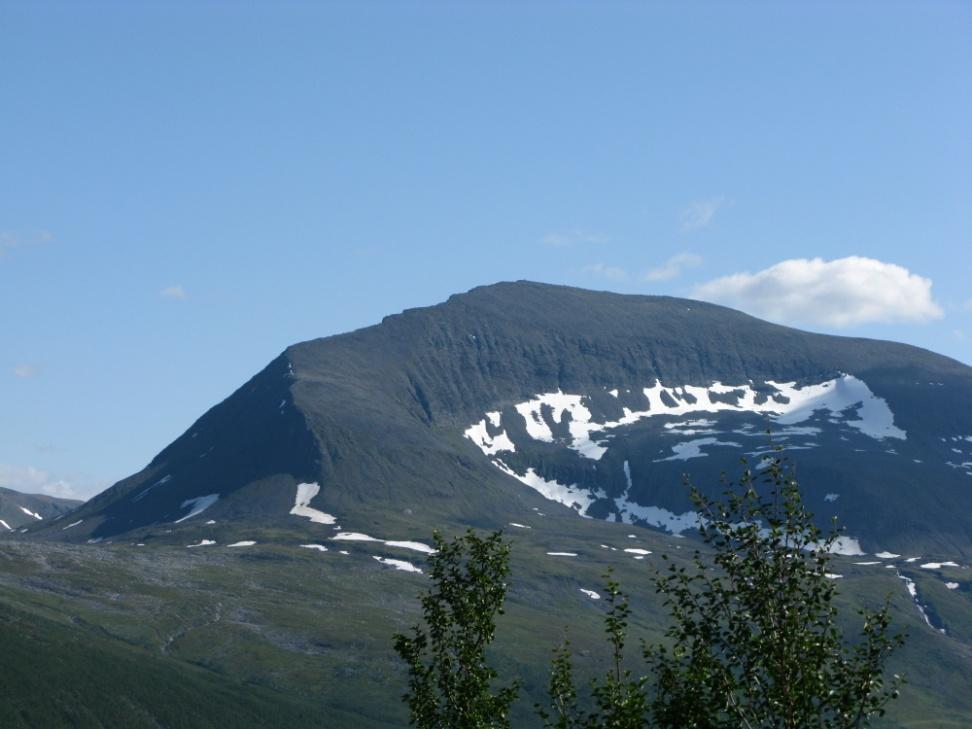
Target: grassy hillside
(280,631)
(53,675)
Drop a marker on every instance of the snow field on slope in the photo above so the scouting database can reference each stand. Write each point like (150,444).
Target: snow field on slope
(847,400)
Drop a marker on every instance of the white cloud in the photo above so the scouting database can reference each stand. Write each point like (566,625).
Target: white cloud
(10,239)
(48,448)
(839,293)
(968,305)
(572,238)
(30,480)
(699,214)
(673,267)
(604,271)
(25,370)
(176,291)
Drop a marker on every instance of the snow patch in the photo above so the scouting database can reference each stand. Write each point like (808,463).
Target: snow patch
(415,546)
(693,449)
(571,496)
(913,591)
(306,492)
(845,399)
(202,543)
(318,547)
(72,525)
(398,564)
(353,537)
(245,543)
(590,593)
(642,552)
(886,555)
(580,426)
(489,444)
(847,546)
(561,554)
(790,404)
(9,528)
(952,585)
(197,506)
(937,565)
(656,516)
(164,479)
(34,514)
(520,526)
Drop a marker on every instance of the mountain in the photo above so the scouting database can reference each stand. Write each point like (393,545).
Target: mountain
(523,396)
(28,511)
(270,553)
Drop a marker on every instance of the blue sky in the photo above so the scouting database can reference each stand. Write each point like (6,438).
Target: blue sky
(188,188)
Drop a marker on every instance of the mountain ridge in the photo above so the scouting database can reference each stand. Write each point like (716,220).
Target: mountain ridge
(376,416)
(19,510)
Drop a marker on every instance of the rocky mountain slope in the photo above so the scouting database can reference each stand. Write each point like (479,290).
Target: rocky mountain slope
(523,396)
(274,548)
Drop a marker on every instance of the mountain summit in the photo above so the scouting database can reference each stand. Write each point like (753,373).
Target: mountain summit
(525,396)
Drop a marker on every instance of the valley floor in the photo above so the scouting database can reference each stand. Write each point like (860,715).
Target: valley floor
(272,634)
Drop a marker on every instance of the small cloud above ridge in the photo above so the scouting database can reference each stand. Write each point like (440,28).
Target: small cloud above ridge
(10,239)
(176,291)
(843,292)
(602,270)
(563,239)
(673,267)
(25,370)
(699,213)
(31,480)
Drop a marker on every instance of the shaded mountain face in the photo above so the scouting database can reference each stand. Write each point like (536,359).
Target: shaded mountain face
(30,511)
(523,396)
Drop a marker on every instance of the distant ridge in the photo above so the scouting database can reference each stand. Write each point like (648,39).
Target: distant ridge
(30,511)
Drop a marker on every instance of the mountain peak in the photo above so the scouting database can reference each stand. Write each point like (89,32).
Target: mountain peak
(517,392)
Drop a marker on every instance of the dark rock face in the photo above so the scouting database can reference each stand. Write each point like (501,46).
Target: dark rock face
(377,417)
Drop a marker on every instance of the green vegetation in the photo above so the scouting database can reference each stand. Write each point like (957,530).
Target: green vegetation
(754,639)
(55,676)
(449,676)
(620,699)
(278,621)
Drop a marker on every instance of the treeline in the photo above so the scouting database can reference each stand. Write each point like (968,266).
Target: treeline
(753,640)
